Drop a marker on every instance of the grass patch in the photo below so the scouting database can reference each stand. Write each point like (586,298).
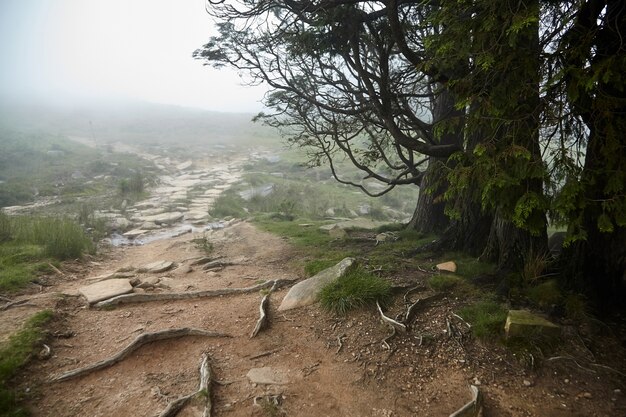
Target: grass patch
(487,318)
(444,282)
(545,294)
(357,288)
(61,238)
(15,354)
(316,266)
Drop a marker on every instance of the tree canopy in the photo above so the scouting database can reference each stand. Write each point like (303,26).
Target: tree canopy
(512,113)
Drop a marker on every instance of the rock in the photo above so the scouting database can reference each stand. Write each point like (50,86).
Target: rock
(164,218)
(156,267)
(149,226)
(527,383)
(184,165)
(330,212)
(268,376)
(134,282)
(449,266)
(104,290)
(132,234)
(522,323)
(119,223)
(149,282)
(337,232)
(306,292)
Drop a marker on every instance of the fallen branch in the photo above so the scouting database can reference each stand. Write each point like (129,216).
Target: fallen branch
(474,408)
(139,341)
(267,353)
(204,391)
(262,312)
(391,322)
(146,297)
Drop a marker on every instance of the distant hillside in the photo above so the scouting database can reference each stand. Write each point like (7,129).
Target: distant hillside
(137,122)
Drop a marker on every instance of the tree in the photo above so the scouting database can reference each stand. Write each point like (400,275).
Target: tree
(504,110)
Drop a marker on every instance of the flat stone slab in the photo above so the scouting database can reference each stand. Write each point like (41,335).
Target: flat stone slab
(306,292)
(166,218)
(268,376)
(104,290)
(156,267)
(132,234)
(523,323)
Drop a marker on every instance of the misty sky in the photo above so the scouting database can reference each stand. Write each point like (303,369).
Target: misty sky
(71,50)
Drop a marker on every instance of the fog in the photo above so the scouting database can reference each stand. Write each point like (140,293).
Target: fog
(78,52)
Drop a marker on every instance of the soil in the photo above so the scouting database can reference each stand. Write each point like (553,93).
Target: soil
(335,366)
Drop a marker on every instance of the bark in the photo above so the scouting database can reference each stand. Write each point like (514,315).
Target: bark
(597,264)
(429,215)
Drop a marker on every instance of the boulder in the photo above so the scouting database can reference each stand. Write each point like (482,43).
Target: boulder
(156,267)
(337,232)
(523,323)
(104,290)
(306,292)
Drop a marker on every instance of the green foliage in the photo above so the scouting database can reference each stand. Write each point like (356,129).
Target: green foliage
(133,185)
(357,288)
(15,354)
(61,238)
(545,294)
(204,244)
(487,318)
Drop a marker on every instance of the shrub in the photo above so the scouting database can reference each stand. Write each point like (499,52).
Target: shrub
(357,288)
(61,238)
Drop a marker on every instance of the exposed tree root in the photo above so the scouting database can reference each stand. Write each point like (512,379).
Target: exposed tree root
(216,264)
(141,298)
(474,408)
(263,312)
(23,302)
(391,322)
(139,341)
(421,302)
(203,393)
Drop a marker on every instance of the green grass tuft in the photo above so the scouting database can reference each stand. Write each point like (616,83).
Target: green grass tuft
(444,282)
(356,289)
(487,318)
(318,265)
(15,354)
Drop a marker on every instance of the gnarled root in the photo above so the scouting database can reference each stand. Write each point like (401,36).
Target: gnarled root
(203,393)
(139,341)
(263,311)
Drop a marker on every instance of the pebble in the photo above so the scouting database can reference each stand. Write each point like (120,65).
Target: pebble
(527,383)
(587,395)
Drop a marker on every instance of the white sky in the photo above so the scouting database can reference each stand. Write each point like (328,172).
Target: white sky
(68,50)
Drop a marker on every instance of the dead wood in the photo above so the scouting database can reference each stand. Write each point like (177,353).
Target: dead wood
(261,322)
(144,297)
(23,302)
(203,260)
(56,270)
(391,322)
(203,392)
(139,341)
(473,408)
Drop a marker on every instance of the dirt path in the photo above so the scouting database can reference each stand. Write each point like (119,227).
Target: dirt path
(321,382)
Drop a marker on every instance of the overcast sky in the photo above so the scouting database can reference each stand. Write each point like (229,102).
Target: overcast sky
(69,50)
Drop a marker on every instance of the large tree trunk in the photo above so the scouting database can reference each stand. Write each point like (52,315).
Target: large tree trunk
(429,216)
(596,264)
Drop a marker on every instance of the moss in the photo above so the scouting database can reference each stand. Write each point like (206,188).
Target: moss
(487,318)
